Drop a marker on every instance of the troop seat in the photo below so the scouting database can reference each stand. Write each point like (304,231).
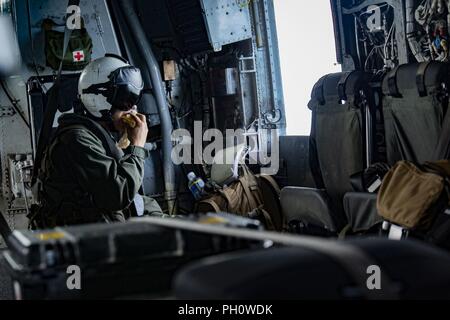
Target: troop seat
(415,101)
(339,103)
(6,283)
(307,208)
(417,126)
(361,211)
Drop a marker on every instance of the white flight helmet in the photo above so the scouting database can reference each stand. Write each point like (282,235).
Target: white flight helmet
(107,82)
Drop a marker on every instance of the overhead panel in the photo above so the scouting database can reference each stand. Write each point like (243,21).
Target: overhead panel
(227,21)
(186,16)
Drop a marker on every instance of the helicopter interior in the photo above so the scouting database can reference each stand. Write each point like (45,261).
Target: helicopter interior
(215,64)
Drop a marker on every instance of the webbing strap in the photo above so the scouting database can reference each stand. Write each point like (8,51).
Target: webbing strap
(420,78)
(392,83)
(52,105)
(342,85)
(268,219)
(246,187)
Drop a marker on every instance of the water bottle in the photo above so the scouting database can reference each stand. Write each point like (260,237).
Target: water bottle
(196,185)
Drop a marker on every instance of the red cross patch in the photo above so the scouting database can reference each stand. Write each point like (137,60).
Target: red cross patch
(78,56)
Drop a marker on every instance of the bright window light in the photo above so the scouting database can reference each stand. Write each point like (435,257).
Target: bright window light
(307,52)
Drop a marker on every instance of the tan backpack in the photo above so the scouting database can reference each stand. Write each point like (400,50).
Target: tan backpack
(251,196)
(412,196)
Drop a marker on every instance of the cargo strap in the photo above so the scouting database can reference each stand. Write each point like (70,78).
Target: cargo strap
(37,101)
(392,83)
(342,85)
(420,78)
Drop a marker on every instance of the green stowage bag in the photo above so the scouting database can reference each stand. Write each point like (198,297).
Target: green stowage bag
(79,50)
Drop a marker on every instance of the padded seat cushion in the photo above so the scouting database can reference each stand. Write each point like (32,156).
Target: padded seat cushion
(361,210)
(307,205)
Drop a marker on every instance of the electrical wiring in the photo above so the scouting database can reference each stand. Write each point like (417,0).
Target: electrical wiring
(427,27)
(370,55)
(379,42)
(390,34)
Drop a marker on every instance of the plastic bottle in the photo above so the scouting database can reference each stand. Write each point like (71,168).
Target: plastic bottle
(196,185)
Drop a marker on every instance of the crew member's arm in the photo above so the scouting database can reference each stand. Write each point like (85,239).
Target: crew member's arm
(112,184)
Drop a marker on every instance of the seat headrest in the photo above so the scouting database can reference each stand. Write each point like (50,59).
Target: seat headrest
(417,77)
(339,86)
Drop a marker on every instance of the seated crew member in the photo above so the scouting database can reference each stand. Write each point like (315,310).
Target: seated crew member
(85,177)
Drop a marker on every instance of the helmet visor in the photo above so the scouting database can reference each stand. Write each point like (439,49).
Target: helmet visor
(127,86)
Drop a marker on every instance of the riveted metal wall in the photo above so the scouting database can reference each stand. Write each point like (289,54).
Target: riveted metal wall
(14,134)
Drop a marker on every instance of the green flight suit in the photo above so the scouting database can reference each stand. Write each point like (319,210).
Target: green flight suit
(84,182)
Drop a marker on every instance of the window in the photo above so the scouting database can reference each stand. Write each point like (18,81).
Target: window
(5,6)
(307,52)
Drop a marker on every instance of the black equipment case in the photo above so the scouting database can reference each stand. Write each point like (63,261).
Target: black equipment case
(136,259)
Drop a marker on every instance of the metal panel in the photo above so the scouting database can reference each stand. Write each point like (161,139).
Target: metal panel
(275,116)
(225,83)
(344,24)
(14,135)
(264,65)
(227,21)
(270,109)
(95,15)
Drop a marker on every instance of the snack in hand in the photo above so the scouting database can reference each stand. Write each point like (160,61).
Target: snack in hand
(128,120)
(124,142)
